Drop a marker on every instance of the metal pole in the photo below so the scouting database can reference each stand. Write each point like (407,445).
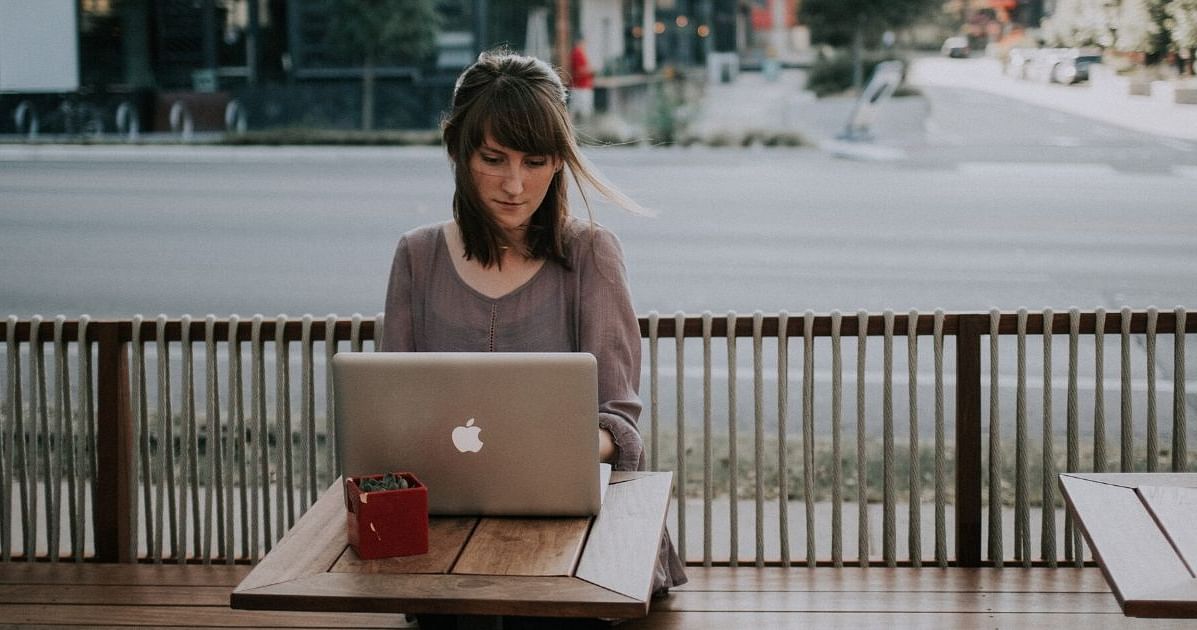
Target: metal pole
(251,43)
(649,59)
(480,17)
(563,40)
(208,21)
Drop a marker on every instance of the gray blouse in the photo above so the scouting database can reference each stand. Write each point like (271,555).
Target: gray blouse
(589,309)
(430,308)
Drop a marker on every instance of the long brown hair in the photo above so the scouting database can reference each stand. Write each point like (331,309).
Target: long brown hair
(521,102)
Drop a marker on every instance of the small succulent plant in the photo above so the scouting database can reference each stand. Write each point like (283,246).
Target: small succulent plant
(390,481)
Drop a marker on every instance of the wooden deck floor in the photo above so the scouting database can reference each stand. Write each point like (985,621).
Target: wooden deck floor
(894,598)
(81,596)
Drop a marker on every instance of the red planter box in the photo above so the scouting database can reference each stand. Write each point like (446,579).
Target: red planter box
(387,523)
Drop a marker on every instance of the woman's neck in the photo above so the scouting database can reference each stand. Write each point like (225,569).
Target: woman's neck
(516,244)
(514,268)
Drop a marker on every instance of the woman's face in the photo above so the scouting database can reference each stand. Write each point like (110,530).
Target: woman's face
(511,184)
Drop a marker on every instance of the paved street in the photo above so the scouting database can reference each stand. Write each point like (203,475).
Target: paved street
(991,201)
(965,200)
(312,230)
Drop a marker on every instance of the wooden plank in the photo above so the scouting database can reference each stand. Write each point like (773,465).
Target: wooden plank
(447,594)
(107,594)
(968,441)
(312,546)
(446,538)
(169,616)
(847,602)
(1177,601)
(524,546)
(1135,555)
(883,579)
(129,574)
(622,550)
(350,622)
(1134,480)
(114,447)
(894,621)
(620,476)
(1175,509)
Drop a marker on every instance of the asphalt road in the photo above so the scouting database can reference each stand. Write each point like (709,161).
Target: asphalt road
(312,231)
(987,210)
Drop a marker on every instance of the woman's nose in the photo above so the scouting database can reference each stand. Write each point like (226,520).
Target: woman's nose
(513,180)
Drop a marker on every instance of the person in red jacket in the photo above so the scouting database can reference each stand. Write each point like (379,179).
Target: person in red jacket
(581,98)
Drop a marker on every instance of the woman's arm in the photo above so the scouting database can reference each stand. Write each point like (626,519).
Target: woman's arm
(610,331)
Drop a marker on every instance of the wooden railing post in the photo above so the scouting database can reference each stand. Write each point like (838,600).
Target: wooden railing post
(968,440)
(114,447)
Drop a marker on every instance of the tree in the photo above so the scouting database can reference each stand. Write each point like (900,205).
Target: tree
(1082,23)
(836,22)
(839,22)
(370,31)
(1182,19)
(1140,27)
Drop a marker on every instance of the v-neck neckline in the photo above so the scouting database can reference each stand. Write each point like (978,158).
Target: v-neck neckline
(448,254)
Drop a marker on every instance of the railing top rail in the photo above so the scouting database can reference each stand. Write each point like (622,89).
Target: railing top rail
(925,325)
(666,325)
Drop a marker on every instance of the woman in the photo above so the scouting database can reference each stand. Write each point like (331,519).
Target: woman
(513,271)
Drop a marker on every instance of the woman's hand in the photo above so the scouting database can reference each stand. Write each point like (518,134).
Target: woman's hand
(607,450)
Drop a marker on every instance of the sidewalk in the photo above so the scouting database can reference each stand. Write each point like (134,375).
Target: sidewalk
(753,103)
(1140,113)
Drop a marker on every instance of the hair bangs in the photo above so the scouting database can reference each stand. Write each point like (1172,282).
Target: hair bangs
(518,118)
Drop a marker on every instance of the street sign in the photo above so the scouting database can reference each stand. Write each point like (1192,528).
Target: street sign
(886,78)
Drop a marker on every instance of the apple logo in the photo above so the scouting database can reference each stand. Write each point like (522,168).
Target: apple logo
(465,439)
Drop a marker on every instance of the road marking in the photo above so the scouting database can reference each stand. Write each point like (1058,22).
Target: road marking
(938,137)
(1064,141)
(862,151)
(1179,145)
(1036,169)
(1188,171)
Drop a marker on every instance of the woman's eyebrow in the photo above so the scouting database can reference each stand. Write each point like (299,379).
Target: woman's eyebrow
(493,149)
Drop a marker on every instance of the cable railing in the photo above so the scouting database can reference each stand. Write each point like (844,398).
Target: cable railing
(794,439)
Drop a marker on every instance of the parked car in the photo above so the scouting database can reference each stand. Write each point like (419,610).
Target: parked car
(1040,64)
(1073,66)
(1052,65)
(956,47)
(1017,60)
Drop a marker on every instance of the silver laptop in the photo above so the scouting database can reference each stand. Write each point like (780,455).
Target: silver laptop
(513,434)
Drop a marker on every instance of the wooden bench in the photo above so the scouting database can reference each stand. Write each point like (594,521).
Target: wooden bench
(1140,527)
(197,596)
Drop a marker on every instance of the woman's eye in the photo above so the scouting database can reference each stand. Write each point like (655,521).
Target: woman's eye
(537,163)
(490,159)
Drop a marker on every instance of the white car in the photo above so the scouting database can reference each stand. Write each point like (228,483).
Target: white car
(956,47)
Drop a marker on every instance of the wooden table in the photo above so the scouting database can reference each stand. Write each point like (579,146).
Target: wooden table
(546,567)
(1142,528)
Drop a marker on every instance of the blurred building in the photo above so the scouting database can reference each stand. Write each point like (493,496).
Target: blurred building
(276,57)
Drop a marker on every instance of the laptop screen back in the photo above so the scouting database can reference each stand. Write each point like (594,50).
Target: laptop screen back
(488,433)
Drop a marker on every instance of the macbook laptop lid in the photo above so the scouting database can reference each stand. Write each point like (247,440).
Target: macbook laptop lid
(488,433)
